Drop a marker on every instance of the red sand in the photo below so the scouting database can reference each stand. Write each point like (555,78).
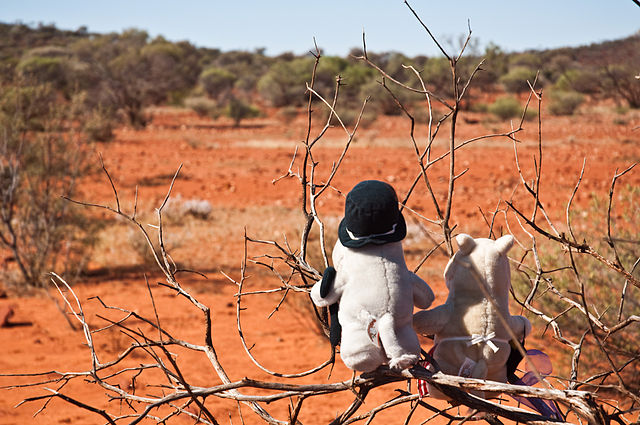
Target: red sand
(233,169)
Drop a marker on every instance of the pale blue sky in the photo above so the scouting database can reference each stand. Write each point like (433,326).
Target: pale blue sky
(288,25)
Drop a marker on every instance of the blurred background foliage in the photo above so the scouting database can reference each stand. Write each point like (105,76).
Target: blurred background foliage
(115,76)
(61,90)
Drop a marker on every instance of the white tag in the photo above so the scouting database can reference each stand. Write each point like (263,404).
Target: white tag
(372,332)
(466,368)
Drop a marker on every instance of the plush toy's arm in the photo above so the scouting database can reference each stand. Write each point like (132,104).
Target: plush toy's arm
(520,326)
(422,293)
(328,290)
(430,322)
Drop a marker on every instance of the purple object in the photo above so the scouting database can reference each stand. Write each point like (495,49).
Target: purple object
(542,364)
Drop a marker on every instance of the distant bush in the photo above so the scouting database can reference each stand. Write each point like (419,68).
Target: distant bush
(146,254)
(328,69)
(621,110)
(556,65)
(239,110)
(437,75)
(217,82)
(356,74)
(349,117)
(529,60)
(41,159)
(248,67)
(41,70)
(515,81)
(27,106)
(505,108)
(284,83)
(495,65)
(288,113)
(579,80)
(565,102)
(172,68)
(203,106)
(127,72)
(621,81)
(98,125)
(383,102)
(479,107)
(620,121)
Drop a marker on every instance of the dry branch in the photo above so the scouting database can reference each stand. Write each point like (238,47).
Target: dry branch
(173,395)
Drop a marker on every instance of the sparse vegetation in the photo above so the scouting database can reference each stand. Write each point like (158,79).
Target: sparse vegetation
(566,274)
(239,110)
(99,125)
(217,82)
(122,74)
(579,80)
(203,106)
(604,287)
(505,108)
(565,102)
(515,81)
(41,158)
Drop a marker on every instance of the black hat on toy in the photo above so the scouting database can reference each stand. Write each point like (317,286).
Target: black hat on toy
(371,216)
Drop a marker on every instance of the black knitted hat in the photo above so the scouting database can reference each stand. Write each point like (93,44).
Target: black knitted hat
(371,216)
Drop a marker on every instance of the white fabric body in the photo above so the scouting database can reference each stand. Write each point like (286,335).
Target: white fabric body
(376,293)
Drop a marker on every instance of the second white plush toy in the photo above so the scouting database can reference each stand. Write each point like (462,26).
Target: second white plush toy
(471,331)
(372,286)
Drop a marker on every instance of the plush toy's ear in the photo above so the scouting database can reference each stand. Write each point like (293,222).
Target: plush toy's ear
(465,243)
(504,244)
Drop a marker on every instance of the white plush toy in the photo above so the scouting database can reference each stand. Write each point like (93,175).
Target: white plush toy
(374,289)
(471,339)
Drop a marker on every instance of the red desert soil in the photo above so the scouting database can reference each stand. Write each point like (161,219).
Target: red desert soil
(233,169)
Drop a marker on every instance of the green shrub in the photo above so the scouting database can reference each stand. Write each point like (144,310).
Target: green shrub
(531,113)
(603,285)
(217,82)
(525,60)
(41,70)
(239,110)
(328,69)
(620,81)
(506,108)
(495,65)
(203,106)
(581,81)
(349,116)
(565,102)
(27,106)
(95,120)
(288,113)
(98,125)
(383,102)
(284,83)
(515,81)
(38,165)
(479,107)
(437,75)
(621,109)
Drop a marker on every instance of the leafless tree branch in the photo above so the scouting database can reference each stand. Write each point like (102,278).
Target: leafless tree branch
(583,396)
